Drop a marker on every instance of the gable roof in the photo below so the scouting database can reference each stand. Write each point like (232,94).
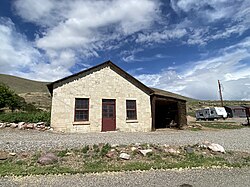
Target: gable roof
(121,72)
(165,93)
(114,67)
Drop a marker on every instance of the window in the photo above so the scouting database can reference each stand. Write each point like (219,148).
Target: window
(108,108)
(131,109)
(81,109)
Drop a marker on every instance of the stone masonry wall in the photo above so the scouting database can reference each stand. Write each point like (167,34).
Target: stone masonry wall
(98,85)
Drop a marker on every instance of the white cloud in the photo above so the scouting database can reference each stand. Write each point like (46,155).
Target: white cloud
(20,58)
(16,52)
(81,24)
(202,14)
(79,29)
(199,79)
(161,37)
(43,13)
(210,10)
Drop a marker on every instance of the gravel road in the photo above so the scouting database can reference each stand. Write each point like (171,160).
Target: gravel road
(24,140)
(195,177)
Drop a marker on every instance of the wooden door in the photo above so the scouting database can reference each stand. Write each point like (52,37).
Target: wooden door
(108,115)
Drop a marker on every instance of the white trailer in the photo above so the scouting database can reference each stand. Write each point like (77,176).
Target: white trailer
(221,112)
(211,113)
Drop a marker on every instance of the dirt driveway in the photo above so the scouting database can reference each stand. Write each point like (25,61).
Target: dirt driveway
(24,140)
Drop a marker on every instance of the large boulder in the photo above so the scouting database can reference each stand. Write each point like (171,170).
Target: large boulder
(171,150)
(47,159)
(2,125)
(216,148)
(3,155)
(30,126)
(22,125)
(124,156)
(189,150)
(111,154)
(145,152)
(13,125)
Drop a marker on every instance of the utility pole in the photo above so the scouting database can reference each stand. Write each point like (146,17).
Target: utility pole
(221,100)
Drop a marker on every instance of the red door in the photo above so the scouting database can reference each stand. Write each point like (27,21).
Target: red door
(108,115)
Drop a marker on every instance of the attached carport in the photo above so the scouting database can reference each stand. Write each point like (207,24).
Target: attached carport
(168,110)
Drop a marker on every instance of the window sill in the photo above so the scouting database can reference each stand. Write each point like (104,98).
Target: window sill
(81,123)
(131,121)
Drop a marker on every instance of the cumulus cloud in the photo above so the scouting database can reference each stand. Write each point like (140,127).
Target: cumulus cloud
(87,24)
(16,52)
(80,29)
(21,58)
(199,79)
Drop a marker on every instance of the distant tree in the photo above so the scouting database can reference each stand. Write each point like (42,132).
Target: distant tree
(16,102)
(5,95)
(10,99)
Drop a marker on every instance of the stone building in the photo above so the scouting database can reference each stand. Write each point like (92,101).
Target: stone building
(106,98)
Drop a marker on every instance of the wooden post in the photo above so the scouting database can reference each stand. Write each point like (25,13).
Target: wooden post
(248,114)
(153,98)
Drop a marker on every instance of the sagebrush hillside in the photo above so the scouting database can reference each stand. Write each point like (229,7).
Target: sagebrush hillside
(34,92)
(21,85)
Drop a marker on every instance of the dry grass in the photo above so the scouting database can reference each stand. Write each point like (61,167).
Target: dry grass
(90,159)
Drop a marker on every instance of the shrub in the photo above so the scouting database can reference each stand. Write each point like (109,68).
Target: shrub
(85,149)
(31,117)
(105,149)
(8,98)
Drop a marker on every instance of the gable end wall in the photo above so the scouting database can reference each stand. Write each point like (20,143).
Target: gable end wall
(102,84)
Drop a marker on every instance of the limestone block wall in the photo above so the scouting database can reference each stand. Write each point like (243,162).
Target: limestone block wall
(98,85)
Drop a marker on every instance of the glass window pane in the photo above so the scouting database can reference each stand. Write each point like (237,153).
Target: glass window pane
(131,104)
(110,101)
(131,114)
(81,109)
(82,103)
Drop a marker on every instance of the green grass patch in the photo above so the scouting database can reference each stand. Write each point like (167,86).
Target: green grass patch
(189,161)
(195,129)
(87,160)
(220,125)
(31,117)
(85,149)
(105,149)
(62,153)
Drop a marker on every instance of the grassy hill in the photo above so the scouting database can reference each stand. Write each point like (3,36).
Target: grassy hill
(34,92)
(21,85)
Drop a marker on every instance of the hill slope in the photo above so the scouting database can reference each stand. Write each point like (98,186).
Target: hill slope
(34,92)
(21,85)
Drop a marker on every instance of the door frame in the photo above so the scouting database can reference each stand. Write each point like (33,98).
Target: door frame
(114,114)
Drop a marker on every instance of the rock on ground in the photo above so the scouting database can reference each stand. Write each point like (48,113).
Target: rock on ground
(124,156)
(145,152)
(47,159)
(216,148)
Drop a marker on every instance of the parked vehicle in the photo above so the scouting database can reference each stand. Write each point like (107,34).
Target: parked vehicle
(211,113)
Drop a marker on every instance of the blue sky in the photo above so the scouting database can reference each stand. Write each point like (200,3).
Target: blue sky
(183,46)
